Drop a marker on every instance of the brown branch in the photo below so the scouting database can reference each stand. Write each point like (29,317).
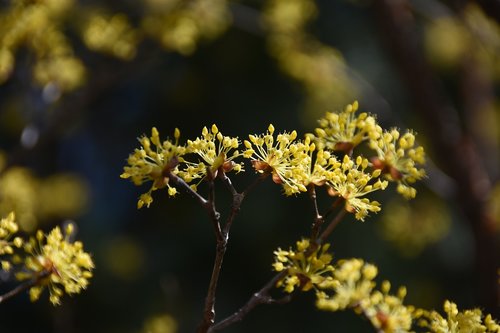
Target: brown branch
(260,297)
(19,289)
(331,226)
(318,219)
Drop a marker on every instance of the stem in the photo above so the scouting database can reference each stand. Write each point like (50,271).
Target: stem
(331,226)
(209,311)
(20,288)
(318,219)
(182,184)
(260,297)
(25,286)
(256,182)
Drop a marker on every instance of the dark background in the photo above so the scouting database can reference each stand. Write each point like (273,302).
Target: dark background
(158,260)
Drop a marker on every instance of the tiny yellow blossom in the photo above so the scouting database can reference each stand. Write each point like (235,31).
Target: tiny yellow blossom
(345,130)
(55,262)
(215,151)
(399,159)
(304,271)
(153,162)
(352,183)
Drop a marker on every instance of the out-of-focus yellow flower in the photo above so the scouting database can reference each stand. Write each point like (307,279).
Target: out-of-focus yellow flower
(112,35)
(152,162)
(352,183)
(318,67)
(304,270)
(160,324)
(36,25)
(54,262)
(352,287)
(400,159)
(387,312)
(467,321)
(8,228)
(412,227)
(180,26)
(18,193)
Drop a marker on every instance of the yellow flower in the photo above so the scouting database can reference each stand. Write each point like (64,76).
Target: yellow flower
(276,156)
(55,262)
(387,312)
(304,271)
(345,130)
(214,150)
(153,161)
(313,166)
(467,321)
(8,227)
(399,158)
(352,183)
(353,285)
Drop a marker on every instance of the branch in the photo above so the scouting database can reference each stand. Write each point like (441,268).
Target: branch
(260,297)
(19,289)
(318,219)
(333,223)
(24,286)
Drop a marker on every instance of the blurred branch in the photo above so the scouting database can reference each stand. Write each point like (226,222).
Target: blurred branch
(454,149)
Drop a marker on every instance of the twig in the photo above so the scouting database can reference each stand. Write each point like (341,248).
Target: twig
(24,286)
(260,297)
(331,226)
(318,218)
(19,289)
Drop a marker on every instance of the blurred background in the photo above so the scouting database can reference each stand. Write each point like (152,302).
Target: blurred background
(81,80)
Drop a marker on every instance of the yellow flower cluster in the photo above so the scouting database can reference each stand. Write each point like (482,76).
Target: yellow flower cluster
(45,260)
(35,199)
(276,156)
(351,182)
(411,227)
(214,149)
(36,25)
(353,285)
(153,162)
(318,67)
(8,228)
(112,35)
(467,321)
(347,285)
(180,25)
(354,288)
(292,163)
(345,130)
(399,159)
(55,262)
(304,270)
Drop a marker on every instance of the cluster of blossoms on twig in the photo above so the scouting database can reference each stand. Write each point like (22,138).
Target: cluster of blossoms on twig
(350,284)
(49,261)
(323,159)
